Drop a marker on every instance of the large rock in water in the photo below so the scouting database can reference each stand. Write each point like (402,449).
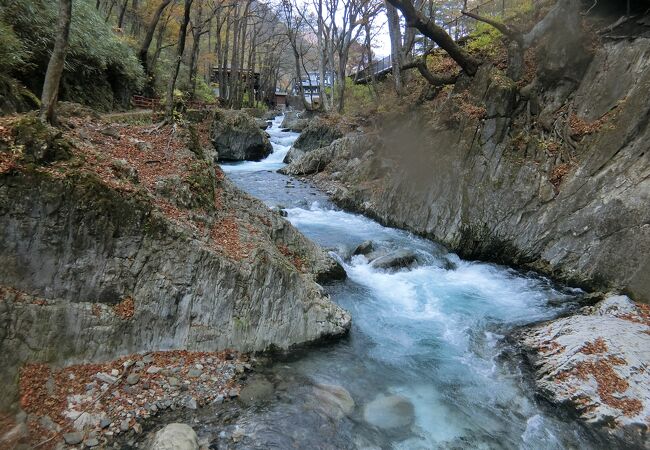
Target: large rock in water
(597,362)
(319,133)
(295,121)
(175,436)
(395,260)
(314,161)
(236,136)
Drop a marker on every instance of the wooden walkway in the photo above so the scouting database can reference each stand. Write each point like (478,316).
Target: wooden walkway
(459,28)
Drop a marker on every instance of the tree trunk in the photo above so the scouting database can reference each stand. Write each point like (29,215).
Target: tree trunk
(322,42)
(160,35)
(55,67)
(197,31)
(179,56)
(395,45)
(223,82)
(234,62)
(241,82)
(110,10)
(416,19)
(144,48)
(120,21)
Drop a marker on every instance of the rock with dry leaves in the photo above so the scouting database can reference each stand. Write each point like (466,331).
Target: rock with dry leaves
(98,264)
(597,362)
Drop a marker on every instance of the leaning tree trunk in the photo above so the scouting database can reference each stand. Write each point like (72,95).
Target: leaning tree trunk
(197,31)
(169,112)
(395,45)
(120,20)
(146,43)
(57,62)
(416,19)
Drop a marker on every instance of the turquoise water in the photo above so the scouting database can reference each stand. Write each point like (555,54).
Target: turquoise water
(433,335)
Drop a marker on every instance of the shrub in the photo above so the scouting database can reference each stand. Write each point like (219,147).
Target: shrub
(12,53)
(95,51)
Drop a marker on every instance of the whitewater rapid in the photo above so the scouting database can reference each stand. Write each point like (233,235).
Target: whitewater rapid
(432,334)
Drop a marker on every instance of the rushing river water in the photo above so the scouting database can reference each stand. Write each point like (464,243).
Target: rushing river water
(424,363)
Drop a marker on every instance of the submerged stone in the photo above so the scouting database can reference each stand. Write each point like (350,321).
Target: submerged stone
(389,412)
(175,436)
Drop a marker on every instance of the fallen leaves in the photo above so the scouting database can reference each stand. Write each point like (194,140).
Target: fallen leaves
(56,393)
(125,309)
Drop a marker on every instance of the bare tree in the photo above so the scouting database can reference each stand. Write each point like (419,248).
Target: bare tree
(437,34)
(182,33)
(55,67)
(151,28)
(293,24)
(395,45)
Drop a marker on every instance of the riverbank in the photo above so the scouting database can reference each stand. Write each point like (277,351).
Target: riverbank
(125,239)
(94,404)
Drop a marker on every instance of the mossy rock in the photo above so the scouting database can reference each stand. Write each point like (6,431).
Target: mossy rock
(40,143)
(16,98)
(202,183)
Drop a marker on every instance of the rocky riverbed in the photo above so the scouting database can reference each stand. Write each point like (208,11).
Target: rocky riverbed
(91,405)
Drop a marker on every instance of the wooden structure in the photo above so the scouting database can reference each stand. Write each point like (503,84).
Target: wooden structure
(280,100)
(142,102)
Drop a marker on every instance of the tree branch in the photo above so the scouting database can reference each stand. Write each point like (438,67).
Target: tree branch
(434,80)
(510,32)
(416,19)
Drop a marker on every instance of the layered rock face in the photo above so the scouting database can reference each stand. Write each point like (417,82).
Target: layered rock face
(596,362)
(237,136)
(295,121)
(555,176)
(91,272)
(318,134)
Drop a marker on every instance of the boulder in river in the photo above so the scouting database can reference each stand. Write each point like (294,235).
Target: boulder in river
(335,401)
(257,390)
(237,137)
(389,412)
(175,436)
(596,362)
(319,133)
(398,259)
(295,121)
(364,248)
(262,124)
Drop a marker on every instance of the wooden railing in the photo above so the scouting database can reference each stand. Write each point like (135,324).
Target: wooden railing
(142,102)
(458,28)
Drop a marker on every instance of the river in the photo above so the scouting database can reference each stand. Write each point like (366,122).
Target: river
(425,364)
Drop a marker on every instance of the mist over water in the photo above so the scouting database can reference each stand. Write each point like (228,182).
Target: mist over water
(431,334)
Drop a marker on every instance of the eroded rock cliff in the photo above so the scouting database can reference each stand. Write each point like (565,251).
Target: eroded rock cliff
(125,247)
(554,175)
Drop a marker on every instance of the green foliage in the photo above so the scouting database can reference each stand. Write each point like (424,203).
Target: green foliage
(485,40)
(12,53)
(93,48)
(204,92)
(358,97)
